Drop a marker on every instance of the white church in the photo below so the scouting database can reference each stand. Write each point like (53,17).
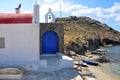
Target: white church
(28,44)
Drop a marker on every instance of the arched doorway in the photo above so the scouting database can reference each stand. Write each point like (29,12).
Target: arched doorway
(49,42)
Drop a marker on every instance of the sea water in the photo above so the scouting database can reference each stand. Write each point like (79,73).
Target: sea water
(113,67)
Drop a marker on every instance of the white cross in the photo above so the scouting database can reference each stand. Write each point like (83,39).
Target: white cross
(49,9)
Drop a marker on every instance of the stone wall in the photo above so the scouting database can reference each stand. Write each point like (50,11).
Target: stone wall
(56,27)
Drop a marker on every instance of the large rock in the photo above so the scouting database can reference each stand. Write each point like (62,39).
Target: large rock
(107,41)
(78,48)
(93,44)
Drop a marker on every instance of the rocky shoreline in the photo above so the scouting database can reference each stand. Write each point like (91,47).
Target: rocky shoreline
(87,50)
(86,71)
(84,36)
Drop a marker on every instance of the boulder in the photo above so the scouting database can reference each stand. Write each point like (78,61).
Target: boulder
(103,59)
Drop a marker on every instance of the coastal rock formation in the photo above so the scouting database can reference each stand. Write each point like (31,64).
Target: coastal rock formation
(84,33)
(94,43)
(107,41)
(77,48)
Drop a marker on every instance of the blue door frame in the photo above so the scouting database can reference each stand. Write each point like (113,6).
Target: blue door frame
(49,42)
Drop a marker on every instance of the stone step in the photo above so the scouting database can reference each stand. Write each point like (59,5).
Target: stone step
(57,61)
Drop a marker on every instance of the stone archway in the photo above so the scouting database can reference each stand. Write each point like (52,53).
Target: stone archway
(50,42)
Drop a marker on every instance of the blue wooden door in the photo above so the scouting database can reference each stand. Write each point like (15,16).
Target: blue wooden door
(49,42)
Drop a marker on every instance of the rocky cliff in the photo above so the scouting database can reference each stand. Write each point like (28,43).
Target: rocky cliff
(85,33)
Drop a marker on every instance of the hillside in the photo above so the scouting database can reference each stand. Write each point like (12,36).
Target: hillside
(83,33)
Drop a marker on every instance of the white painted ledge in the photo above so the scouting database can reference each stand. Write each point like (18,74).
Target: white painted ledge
(10,76)
(65,61)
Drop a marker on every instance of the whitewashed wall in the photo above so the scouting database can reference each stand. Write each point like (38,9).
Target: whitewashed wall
(21,43)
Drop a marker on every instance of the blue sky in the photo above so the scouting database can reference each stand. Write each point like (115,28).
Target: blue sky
(106,11)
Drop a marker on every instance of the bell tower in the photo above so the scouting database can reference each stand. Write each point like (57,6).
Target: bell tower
(49,17)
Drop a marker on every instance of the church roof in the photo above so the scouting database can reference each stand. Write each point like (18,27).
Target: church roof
(9,18)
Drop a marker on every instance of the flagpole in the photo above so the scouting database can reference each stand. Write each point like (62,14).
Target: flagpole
(60,11)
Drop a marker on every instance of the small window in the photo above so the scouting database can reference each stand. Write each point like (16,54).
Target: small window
(2,43)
